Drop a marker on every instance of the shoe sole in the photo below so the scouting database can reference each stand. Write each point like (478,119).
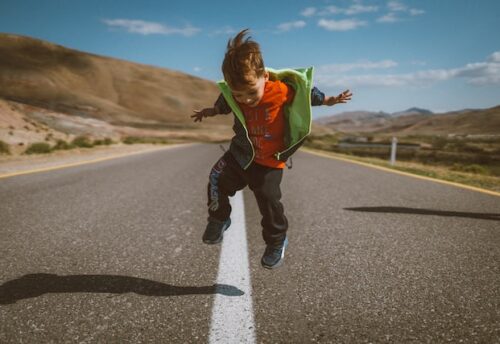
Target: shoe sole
(212,242)
(280,262)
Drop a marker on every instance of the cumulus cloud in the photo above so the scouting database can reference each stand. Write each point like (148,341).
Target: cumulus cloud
(479,73)
(308,12)
(398,7)
(340,25)
(283,27)
(149,28)
(356,8)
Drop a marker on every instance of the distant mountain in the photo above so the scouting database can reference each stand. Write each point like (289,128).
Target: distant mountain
(412,111)
(416,121)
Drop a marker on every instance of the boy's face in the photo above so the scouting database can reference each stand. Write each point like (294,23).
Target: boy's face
(252,93)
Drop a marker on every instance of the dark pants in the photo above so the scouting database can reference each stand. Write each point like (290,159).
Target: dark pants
(227,177)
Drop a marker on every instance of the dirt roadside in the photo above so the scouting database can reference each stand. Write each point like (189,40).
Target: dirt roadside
(23,163)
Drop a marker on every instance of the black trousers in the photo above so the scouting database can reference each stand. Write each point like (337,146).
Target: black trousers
(227,177)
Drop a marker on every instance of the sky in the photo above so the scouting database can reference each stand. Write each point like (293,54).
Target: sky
(441,55)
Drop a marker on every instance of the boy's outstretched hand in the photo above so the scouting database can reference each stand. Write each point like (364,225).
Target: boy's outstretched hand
(341,98)
(200,114)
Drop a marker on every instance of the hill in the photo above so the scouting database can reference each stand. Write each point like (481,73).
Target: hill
(416,121)
(47,78)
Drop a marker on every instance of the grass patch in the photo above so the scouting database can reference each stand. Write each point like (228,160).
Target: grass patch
(129,140)
(82,141)
(4,148)
(38,148)
(104,142)
(438,172)
(63,145)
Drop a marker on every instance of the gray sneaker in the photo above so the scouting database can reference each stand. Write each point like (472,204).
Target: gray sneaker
(274,255)
(215,231)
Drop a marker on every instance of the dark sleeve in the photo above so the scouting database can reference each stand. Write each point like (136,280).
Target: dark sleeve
(221,105)
(317,97)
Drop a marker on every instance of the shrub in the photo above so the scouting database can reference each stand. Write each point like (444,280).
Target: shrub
(136,139)
(61,144)
(38,148)
(82,141)
(4,148)
(107,141)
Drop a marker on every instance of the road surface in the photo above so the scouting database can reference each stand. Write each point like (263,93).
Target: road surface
(112,252)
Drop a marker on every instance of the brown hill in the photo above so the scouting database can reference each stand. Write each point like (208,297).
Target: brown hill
(75,83)
(475,122)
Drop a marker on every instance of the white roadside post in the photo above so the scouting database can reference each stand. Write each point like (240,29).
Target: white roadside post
(393,150)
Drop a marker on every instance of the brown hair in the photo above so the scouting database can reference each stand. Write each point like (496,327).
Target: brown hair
(243,61)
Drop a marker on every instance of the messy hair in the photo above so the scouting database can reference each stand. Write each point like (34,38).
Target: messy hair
(243,61)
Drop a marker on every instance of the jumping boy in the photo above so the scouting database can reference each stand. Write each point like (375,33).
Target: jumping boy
(272,111)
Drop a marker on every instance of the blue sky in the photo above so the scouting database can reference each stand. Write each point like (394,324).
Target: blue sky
(440,55)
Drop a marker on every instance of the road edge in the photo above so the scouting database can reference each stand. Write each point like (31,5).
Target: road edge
(91,161)
(463,186)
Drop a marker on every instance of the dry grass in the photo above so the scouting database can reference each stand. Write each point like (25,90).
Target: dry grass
(438,172)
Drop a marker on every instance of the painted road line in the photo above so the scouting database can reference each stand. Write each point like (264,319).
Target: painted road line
(84,162)
(232,317)
(463,186)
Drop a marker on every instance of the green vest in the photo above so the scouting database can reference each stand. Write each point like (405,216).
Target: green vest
(298,114)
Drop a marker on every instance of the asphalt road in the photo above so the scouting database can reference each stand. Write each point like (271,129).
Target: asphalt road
(112,252)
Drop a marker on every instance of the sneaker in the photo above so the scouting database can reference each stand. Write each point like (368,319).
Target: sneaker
(215,231)
(274,255)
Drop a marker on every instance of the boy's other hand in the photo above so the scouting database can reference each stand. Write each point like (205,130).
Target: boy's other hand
(200,114)
(341,98)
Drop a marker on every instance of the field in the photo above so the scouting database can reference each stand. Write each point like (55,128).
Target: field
(467,159)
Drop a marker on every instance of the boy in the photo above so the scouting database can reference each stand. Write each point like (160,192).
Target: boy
(272,118)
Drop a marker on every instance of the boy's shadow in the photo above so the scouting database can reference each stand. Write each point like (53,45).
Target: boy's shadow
(419,211)
(34,285)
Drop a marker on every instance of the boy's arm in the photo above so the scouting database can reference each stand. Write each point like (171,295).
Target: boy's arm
(220,107)
(319,98)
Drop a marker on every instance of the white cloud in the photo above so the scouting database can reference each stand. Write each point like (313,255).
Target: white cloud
(340,25)
(388,18)
(308,12)
(291,25)
(356,8)
(150,28)
(416,12)
(495,57)
(479,73)
(226,30)
(363,65)
(396,6)
(197,69)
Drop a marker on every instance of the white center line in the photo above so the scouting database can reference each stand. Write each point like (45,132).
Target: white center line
(232,316)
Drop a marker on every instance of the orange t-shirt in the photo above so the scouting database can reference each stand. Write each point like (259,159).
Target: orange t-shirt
(266,122)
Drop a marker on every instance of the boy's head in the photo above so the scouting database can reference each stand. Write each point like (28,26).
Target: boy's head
(243,69)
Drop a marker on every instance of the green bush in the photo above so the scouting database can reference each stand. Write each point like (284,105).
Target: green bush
(38,148)
(136,139)
(107,141)
(63,145)
(4,148)
(82,141)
